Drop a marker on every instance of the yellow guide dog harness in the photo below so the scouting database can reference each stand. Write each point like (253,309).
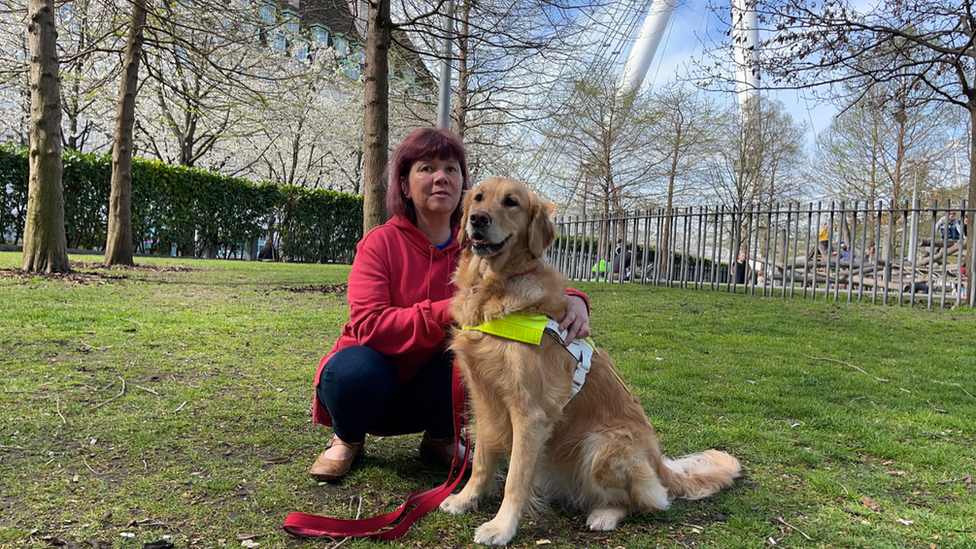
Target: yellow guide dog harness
(529,329)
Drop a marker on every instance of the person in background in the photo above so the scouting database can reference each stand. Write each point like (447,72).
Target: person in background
(845,254)
(824,239)
(949,227)
(621,255)
(268,252)
(741,268)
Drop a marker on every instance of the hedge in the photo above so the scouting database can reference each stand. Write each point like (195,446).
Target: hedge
(191,210)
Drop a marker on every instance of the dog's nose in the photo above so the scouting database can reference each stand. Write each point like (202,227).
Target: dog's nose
(479,219)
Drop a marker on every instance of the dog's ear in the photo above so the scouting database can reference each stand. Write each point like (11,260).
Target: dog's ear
(542,231)
(463,230)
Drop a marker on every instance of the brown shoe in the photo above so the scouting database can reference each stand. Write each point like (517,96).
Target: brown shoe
(442,450)
(326,469)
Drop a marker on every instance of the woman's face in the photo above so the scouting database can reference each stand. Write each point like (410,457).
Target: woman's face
(434,186)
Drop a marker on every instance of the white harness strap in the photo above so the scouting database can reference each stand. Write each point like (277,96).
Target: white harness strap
(581,349)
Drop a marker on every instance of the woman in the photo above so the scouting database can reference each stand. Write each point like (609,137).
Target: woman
(389,373)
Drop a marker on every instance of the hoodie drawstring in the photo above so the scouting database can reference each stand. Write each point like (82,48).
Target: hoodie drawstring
(430,268)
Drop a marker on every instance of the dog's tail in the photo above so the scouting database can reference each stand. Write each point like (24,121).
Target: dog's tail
(698,476)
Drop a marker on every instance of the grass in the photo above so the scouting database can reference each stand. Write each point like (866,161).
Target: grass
(855,424)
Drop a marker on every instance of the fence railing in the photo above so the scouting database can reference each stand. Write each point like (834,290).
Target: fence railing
(888,255)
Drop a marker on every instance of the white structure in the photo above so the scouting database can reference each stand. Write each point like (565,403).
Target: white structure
(745,41)
(642,54)
(745,34)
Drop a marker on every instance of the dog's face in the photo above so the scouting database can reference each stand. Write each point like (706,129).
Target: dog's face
(502,215)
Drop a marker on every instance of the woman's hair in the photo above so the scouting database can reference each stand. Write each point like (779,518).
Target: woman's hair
(425,143)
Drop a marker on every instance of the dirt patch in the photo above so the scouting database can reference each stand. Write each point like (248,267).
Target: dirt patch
(81,272)
(77,277)
(323,289)
(144,268)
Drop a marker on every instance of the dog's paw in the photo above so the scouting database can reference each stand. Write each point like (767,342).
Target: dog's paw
(606,518)
(495,532)
(457,504)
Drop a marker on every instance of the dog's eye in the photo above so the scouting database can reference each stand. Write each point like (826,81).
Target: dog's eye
(510,202)
(477,197)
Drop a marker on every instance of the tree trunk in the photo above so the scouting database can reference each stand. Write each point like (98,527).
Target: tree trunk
(970,203)
(464,73)
(118,249)
(376,117)
(45,249)
(672,174)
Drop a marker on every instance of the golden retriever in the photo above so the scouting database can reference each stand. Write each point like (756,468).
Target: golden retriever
(596,453)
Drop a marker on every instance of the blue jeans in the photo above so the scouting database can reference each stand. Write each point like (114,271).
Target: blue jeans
(360,389)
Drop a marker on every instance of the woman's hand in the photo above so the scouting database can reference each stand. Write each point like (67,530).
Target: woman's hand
(576,323)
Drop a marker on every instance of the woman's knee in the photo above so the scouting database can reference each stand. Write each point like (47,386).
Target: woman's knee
(357,370)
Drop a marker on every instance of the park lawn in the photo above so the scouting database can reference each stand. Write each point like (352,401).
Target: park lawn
(855,424)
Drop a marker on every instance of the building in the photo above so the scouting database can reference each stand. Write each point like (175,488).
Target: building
(297,28)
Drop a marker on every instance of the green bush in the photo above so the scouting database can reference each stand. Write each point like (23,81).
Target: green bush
(13,199)
(319,226)
(191,210)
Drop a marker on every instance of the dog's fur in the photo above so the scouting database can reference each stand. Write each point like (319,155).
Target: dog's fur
(598,453)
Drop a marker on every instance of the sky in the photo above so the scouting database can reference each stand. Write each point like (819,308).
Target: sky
(693,29)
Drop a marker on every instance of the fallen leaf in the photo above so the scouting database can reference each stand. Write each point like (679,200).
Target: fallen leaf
(242,537)
(250,544)
(870,504)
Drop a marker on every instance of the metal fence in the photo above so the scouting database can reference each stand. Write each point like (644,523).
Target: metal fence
(909,255)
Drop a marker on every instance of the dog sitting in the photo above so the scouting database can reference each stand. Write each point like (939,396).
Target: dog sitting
(597,452)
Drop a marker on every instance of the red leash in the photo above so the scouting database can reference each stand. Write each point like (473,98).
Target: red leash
(315,526)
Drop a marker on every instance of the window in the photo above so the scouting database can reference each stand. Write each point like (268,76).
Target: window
(268,14)
(291,21)
(301,49)
(341,46)
(280,43)
(320,35)
(350,68)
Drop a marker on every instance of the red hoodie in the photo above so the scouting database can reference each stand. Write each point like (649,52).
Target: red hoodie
(400,293)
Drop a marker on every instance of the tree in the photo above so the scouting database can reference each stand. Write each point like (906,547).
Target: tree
(862,155)
(758,157)
(757,160)
(376,123)
(509,51)
(599,147)
(85,34)
(45,249)
(15,91)
(920,44)
(206,64)
(682,136)
(87,39)
(211,39)
(509,55)
(119,246)
(314,136)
